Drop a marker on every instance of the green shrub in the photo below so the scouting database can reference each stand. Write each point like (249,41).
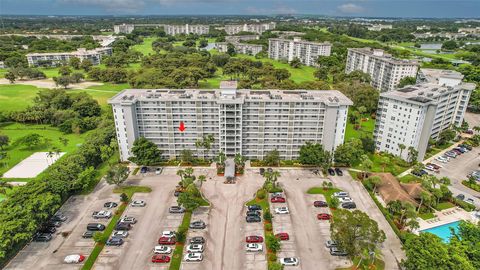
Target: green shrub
(124,198)
(272,257)
(275,189)
(267,216)
(261,194)
(268,227)
(100,237)
(181,235)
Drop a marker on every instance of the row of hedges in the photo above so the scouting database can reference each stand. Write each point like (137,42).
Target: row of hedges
(29,206)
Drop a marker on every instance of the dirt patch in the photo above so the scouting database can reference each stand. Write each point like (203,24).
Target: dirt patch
(49,83)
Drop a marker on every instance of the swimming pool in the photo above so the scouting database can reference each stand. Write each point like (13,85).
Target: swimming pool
(443,231)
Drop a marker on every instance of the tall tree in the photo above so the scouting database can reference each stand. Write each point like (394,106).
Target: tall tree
(117,175)
(145,152)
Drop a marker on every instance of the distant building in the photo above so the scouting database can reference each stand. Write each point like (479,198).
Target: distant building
(186,29)
(423,27)
(384,70)
(414,114)
(243,48)
(286,34)
(379,27)
(258,28)
(233,39)
(469,30)
(56,59)
(123,28)
(288,49)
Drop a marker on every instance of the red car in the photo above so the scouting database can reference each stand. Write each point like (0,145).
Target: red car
(160,259)
(278,200)
(254,239)
(167,240)
(282,236)
(324,216)
(320,204)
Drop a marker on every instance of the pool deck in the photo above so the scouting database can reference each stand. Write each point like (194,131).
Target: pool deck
(445,217)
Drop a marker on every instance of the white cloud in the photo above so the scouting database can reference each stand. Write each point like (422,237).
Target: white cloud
(350,8)
(123,6)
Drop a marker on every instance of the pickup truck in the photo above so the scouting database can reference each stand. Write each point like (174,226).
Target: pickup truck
(102,214)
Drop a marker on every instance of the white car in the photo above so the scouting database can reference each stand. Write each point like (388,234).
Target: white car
(345,199)
(120,234)
(130,220)
(102,214)
(158,171)
(138,203)
(193,257)
(441,159)
(277,194)
(289,261)
(74,258)
(195,248)
(168,234)
(341,194)
(254,247)
(282,210)
(430,168)
(162,250)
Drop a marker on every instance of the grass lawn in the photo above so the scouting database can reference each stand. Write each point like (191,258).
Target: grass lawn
(327,193)
(17,153)
(14,97)
(426,216)
(177,253)
(146,46)
(365,130)
(130,190)
(409,178)
(262,202)
(393,167)
(444,205)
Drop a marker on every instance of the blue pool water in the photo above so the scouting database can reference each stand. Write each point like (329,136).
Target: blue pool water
(443,231)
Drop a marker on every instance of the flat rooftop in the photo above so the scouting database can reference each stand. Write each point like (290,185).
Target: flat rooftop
(329,97)
(380,54)
(432,75)
(80,51)
(298,40)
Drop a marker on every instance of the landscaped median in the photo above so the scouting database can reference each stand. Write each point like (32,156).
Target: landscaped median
(181,237)
(129,191)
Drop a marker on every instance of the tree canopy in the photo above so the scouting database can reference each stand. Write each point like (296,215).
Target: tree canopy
(145,152)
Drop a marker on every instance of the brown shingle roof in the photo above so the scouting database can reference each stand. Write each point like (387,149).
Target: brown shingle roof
(391,190)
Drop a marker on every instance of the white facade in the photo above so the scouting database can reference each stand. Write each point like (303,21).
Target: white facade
(55,59)
(186,29)
(123,28)
(288,49)
(414,114)
(379,27)
(384,70)
(244,48)
(233,39)
(258,28)
(251,123)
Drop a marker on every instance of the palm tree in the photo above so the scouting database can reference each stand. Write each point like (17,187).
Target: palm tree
(476,128)
(274,177)
(181,173)
(201,179)
(189,172)
(402,147)
(424,198)
(375,180)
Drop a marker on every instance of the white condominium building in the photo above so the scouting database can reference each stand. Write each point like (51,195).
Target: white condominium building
(379,27)
(414,114)
(123,28)
(288,49)
(55,59)
(186,29)
(384,70)
(249,122)
(258,28)
(232,39)
(244,48)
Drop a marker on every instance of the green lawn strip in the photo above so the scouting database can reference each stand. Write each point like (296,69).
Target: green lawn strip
(108,231)
(325,192)
(409,178)
(473,186)
(178,252)
(130,190)
(426,216)
(146,46)
(444,205)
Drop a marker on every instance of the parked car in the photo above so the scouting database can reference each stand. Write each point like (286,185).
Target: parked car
(283,236)
(195,248)
(199,224)
(341,194)
(470,201)
(324,216)
(59,217)
(52,223)
(168,234)
(441,159)
(162,250)
(262,171)
(193,257)
(451,154)
(435,166)
(144,170)
(282,210)
(128,220)
(120,234)
(123,226)
(47,229)
(330,243)
(289,261)
(254,207)
(469,147)
(95,227)
(277,194)
(349,205)
(254,239)
(110,204)
(456,151)
(270,170)
(88,234)
(167,240)
(345,199)
(320,204)
(176,209)
(430,168)
(331,171)
(102,214)
(338,172)
(278,200)
(253,247)
(160,259)
(253,213)
(158,171)
(74,258)
(419,173)
(138,203)
(461,149)
(114,241)
(197,240)
(334,251)
(251,219)
(460,197)
(42,237)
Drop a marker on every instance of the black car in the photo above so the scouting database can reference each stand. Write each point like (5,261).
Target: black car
(114,241)
(262,171)
(331,171)
(419,173)
(59,217)
(469,147)
(88,234)
(460,197)
(110,204)
(144,170)
(349,205)
(197,240)
(251,219)
(95,227)
(52,223)
(198,225)
(123,226)
(338,171)
(253,213)
(254,207)
(48,229)
(42,237)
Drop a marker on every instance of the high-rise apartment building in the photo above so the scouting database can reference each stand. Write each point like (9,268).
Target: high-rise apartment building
(123,28)
(249,122)
(384,70)
(55,59)
(258,28)
(414,114)
(289,49)
(244,48)
(186,29)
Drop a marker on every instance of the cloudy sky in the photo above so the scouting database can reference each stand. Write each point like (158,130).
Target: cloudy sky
(386,8)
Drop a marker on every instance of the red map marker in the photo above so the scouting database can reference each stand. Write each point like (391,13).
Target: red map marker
(181,127)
